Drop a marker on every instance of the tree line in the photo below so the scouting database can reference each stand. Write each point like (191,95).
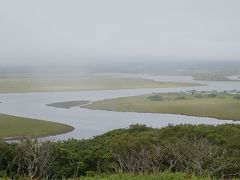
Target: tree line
(203,150)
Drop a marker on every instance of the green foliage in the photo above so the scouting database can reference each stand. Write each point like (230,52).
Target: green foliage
(237,97)
(198,96)
(212,95)
(154,176)
(99,155)
(180,98)
(155,98)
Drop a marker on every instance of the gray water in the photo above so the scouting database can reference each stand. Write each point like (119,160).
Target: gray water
(236,77)
(89,123)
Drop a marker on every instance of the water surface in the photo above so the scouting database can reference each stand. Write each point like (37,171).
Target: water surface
(89,123)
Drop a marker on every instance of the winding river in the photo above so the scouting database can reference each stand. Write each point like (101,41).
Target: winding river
(89,123)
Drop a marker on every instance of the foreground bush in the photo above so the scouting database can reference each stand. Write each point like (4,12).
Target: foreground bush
(156,176)
(190,155)
(202,150)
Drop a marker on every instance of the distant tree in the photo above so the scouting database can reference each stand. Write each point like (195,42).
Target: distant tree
(155,98)
(180,98)
(212,95)
(237,97)
(198,96)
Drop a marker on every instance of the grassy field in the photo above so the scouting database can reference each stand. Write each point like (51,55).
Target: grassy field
(11,126)
(68,104)
(223,106)
(157,176)
(79,83)
(212,76)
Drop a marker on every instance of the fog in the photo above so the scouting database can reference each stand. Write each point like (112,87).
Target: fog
(111,31)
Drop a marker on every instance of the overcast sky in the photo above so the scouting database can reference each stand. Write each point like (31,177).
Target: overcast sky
(49,31)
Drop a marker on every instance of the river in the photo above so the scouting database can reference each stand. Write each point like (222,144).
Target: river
(89,123)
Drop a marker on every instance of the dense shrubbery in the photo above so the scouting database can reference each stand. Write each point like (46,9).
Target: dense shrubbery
(237,97)
(212,95)
(144,176)
(180,98)
(198,96)
(155,98)
(201,150)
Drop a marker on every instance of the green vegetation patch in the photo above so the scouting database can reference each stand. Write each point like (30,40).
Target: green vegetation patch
(101,154)
(68,104)
(156,176)
(14,127)
(51,84)
(212,104)
(155,98)
(138,152)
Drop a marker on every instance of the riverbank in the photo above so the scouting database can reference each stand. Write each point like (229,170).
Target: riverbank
(80,83)
(215,105)
(14,127)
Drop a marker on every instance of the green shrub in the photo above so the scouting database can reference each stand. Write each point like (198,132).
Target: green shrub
(99,155)
(145,176)
(180,98)
(198,96)
(212,95)
(155,98)
(237,97)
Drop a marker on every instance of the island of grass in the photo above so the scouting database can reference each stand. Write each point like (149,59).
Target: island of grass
(208,104)
(15,127)
(80,83)
(68,104)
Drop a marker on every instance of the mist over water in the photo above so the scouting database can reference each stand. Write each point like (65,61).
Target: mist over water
(149,67)
(63,43)
(75,72)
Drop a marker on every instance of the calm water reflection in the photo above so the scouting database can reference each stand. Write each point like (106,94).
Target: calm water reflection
(89,123)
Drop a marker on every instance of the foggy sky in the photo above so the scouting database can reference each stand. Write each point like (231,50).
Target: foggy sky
(90,31)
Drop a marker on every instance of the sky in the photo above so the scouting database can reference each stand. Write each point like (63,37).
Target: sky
(95,31)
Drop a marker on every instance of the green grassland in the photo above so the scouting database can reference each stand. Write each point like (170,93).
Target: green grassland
(68,104)
(223,106)
(210,74)
(14,127)
(128,176)
(79,83)
(213,76)
(156,176)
